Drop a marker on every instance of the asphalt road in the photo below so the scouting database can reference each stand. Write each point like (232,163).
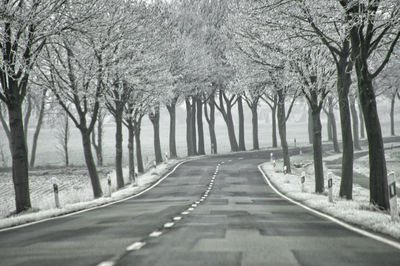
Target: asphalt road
(239,221)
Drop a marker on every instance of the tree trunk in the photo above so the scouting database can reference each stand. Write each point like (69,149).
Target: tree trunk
(99,151)
(211,124)
(172,129)
(378,182)
(131,141)
(310,126)
(139,158)
(194,138)
(392,102)
(5,127)
(335,141)
(119,108)
(227,115)
(362,124)
(200,130)
(282,130)
(189,128)
(274,135)
(343,86)
(354,118)
(231,131)
(27,116)
(66,140)
(19,158)
(328,125)
(155,120)
(242,145)
(37,130)
(98,147)
(94,178)
(317,152)
(254,120)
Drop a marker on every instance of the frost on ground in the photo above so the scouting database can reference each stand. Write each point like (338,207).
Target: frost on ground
(361,164)
(357,211)
(75,193)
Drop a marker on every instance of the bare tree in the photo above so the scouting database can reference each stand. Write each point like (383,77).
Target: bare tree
(24,31)
(63,136)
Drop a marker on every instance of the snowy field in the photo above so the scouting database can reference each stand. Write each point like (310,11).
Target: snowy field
(357,211)
(76,194)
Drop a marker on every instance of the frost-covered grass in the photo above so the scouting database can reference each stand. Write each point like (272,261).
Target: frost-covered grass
(357,211)
(361,164)
(77,198)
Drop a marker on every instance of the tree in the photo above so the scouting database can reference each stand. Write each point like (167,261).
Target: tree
(171,107)
(210,117)
(373,33)
(389,81)
(41,112)
(283,91)
(63,136)
(309,18)
(74,72)
(354,118)
(332,121)
(97,136)
(271,99)
(154,116)
(314,70)
(25,29)
(225,105)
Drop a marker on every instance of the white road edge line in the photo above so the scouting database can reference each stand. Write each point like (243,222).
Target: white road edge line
(101,206)
(331,218)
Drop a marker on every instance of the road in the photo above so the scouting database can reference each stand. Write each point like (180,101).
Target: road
(239,221)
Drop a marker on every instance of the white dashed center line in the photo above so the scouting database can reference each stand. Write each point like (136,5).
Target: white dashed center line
(155,234)
(169,225)
(106,263)
(136,246)
(177,218)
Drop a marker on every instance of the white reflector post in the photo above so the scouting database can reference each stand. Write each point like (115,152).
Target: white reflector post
(394,212)
(330,187)
(302,180)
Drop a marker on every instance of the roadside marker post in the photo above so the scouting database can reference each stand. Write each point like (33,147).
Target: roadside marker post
(271,157)
(134,181)
(109,185)
(56,198)
(155,164)
(394,212)
(330,187)
(302,180)
(285,169)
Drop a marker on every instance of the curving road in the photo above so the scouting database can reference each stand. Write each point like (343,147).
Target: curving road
(205,213)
